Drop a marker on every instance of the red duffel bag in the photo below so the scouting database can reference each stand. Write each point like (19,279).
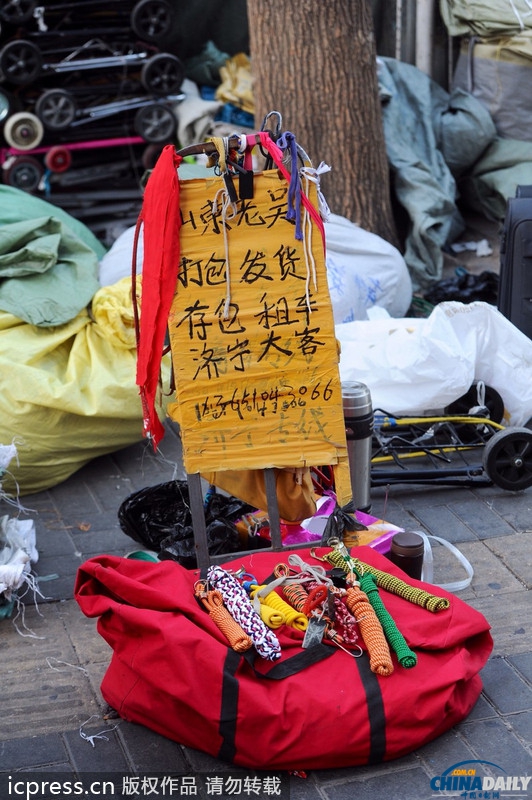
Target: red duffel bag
(316,708)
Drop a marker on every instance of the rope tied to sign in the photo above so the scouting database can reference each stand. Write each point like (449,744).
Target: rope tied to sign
(241,609)
(287,141)
(233,632)
(228,211)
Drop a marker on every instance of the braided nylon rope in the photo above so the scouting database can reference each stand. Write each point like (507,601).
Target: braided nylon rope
(380,660)
(344,621)
(406,657)
(296,595)
(237,638)
(390,583)
(239,606)
(292,617)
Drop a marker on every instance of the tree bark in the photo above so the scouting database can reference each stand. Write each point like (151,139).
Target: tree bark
(315,63)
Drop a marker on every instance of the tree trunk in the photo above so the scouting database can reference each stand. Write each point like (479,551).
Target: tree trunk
(315,63)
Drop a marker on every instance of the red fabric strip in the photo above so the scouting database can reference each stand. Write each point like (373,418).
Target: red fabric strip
(161,221)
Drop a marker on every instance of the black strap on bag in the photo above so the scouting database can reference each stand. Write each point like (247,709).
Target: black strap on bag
(291,666)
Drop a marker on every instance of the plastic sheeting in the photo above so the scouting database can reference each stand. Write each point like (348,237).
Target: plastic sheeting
(47,274)
(364,271)
(499,73)
(431,138)
(505,165)
(478,18)
(416,365)
(68,394)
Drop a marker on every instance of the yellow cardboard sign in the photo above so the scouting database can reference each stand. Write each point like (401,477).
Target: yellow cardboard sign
(252,336)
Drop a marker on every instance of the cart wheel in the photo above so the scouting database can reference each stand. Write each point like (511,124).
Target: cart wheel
(17,11)
(20,62)
(58,159)
(507,459)
(151,19)
(56,108)
(162,74)
(150,155)
(23,131)
(155,123)
(492,399)
(25,173)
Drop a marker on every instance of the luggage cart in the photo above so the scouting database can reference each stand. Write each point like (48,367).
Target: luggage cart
(450,450)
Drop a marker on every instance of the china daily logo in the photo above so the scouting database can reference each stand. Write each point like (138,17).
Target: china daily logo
(464,780)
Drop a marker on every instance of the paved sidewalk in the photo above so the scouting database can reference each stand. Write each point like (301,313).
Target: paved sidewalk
(53,659)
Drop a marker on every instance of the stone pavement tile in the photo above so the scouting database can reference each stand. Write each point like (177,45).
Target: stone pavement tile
(149,752)
(302,788)
(399,784)
(505,688)
(56,576)
(441,521)
(523,663)
(482,709)
(479,516)
(52,541)
(515,552)
(510,621)
(104,754)
(44,685)
(490,577)
(87,643)
(112,541)
(492,741)
(515,508)
(72,496)
(521,725)
(420,496)
(32,751)
(366,771)
(449,748)
(205,763)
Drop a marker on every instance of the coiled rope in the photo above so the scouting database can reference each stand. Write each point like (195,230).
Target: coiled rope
(241,609)
(390,582)
(233,632)
(380,659)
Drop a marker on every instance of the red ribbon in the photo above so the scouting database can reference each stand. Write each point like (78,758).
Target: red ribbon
(161,222)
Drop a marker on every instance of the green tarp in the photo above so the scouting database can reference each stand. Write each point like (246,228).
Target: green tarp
(477,18)
(48,260)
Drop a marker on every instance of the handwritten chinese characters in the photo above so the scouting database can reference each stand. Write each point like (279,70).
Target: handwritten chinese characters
(252,336)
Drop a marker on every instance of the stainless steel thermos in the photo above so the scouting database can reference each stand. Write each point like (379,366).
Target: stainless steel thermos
(358,416)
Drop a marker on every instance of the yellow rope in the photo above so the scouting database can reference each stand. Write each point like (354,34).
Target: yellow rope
(272,617)
(293,617)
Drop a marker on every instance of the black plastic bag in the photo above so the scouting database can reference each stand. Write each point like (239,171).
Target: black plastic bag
(159,518)
(466,288)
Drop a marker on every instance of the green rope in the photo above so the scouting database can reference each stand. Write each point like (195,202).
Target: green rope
(406,657)
(389,582)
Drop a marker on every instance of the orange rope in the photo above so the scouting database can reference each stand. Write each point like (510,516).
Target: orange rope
(380,660)
(237,638)
(296,595)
